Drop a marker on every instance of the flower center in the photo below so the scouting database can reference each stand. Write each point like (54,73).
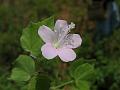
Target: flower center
(58,43)
(71,26)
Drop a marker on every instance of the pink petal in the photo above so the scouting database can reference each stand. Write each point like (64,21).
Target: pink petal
(66,54)
(72,41)
(46,34)
(60,24)
(48,51)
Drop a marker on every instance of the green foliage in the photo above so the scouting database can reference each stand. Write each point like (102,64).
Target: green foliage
(32,84)
(118,2)
(16,14)
(19,75)
(30,40)
(25,68)
(81,72)
(6,84)
(24,65)
(83,85)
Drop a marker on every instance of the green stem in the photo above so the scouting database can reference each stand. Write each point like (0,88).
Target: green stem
(61,85)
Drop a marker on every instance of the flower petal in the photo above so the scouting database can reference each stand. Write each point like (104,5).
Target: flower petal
(46,34)
(61,27)
(66,54)
(60,24)
(72,41)
(48,51)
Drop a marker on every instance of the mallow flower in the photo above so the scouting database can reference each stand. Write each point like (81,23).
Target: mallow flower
(59,42)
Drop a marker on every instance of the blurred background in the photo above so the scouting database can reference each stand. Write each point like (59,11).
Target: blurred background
(97,21)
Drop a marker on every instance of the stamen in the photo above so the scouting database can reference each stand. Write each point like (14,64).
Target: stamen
(71,26)
(63,33)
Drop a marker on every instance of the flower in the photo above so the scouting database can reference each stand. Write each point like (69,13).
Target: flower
(59,42)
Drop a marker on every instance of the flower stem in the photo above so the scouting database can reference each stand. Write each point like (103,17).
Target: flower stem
(61,85)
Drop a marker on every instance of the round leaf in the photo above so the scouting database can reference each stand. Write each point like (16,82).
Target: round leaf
(19,75)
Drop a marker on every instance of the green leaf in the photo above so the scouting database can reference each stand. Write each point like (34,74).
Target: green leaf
(74,65)
(24,69)
(25,63)
(30,39)
(83,71)
(32,84)
(83,85)
(19,75)
(48,22)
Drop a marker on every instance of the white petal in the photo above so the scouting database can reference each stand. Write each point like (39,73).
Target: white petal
(61,27)
(66,54)
(46,34)
(60,24)
(48,51)
(72,41)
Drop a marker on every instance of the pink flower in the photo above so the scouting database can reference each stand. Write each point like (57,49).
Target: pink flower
(59,42)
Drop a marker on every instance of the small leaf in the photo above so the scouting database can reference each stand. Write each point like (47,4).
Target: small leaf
(73,66)
(19,75)
(48,22)
(32,84)
(83,85)
(30,40)
(26,63)
(84,71)
(25,68)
